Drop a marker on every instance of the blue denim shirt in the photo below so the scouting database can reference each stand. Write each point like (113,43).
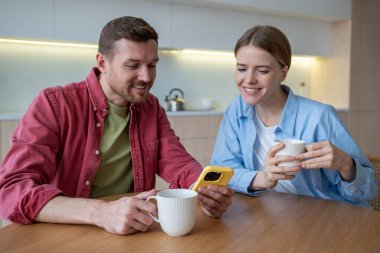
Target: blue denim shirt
(303,119)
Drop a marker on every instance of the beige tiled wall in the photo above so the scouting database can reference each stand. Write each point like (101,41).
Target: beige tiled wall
(350,76)
(330,76)
(364,113)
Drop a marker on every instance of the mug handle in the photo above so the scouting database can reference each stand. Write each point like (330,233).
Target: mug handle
(153,217)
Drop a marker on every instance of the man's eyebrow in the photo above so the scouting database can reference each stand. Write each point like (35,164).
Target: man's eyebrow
(136,60)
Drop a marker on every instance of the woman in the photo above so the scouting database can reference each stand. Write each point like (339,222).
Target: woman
(333,167)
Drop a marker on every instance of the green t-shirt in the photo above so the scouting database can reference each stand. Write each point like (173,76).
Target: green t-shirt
(115,174)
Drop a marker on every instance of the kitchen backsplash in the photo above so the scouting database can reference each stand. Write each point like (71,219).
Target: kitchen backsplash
(26,69)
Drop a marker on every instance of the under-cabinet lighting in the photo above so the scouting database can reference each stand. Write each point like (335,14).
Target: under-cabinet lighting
(204,52)
(303,58)
(170,51)
(48,43)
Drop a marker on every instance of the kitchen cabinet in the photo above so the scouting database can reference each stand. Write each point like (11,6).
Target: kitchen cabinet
(27,19)
(6,129)
(79,21)
(83,20)
(219,29)
(331,10)
(197,133)
(179,25)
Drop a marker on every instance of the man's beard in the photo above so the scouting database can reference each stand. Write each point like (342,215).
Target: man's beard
(130,98)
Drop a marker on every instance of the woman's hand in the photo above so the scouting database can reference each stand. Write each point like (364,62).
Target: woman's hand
(269,177)
(326,155)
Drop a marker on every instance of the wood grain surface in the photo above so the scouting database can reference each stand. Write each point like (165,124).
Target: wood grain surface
(271,222)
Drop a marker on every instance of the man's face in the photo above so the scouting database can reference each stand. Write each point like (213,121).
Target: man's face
(129,75)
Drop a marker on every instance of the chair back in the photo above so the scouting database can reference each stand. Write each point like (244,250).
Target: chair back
(375,203)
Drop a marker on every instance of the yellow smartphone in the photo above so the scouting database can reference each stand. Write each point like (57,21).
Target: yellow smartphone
(216,175)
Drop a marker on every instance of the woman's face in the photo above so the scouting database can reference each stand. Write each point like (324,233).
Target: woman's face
(258,75)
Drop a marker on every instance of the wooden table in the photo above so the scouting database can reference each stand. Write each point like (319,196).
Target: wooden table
(272,222)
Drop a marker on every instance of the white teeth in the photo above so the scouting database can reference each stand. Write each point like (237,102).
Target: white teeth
(139,87)
(251,89)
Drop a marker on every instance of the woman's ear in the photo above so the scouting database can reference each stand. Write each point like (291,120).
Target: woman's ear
(284,72)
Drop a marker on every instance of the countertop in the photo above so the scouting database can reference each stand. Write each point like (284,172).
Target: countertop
(18,116)
(195,113)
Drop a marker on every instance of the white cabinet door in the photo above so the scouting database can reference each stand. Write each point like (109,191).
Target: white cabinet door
(211,28)
(178,25)
(27,19)
(331,10)
(83,20)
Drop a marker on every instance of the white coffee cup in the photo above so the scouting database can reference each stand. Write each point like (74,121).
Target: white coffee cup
(207,104)
(177,210)
(292,147)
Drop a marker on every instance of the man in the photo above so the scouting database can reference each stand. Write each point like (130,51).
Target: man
(105,135)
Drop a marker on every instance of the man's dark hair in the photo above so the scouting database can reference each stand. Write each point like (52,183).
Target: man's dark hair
(130,28)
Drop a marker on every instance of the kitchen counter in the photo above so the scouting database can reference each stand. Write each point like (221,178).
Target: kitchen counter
(195,113)
(18,116)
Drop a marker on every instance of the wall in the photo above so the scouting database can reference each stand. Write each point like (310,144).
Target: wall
(364,115)
(26,69)
(350,75)
(330,76)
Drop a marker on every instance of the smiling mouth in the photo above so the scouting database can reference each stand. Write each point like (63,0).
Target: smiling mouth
(139,86)
(251,90)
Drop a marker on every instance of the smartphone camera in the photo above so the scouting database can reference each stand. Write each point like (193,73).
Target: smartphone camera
(212,176)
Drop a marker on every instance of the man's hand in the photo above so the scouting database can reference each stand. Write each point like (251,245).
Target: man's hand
(214,199)
(127,215)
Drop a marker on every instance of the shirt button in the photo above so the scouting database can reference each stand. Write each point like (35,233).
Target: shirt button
(97,152)
(97,124)
(87,183)
(104,110)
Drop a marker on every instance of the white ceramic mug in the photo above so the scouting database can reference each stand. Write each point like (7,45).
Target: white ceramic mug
(292,147)
(207,104)
(177,210)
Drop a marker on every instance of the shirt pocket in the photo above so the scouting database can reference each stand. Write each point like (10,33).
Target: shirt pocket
(150,159)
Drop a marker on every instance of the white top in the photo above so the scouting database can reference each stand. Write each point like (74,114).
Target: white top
(264,141)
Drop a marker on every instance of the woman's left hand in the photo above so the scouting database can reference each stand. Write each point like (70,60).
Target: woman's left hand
(326,155)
